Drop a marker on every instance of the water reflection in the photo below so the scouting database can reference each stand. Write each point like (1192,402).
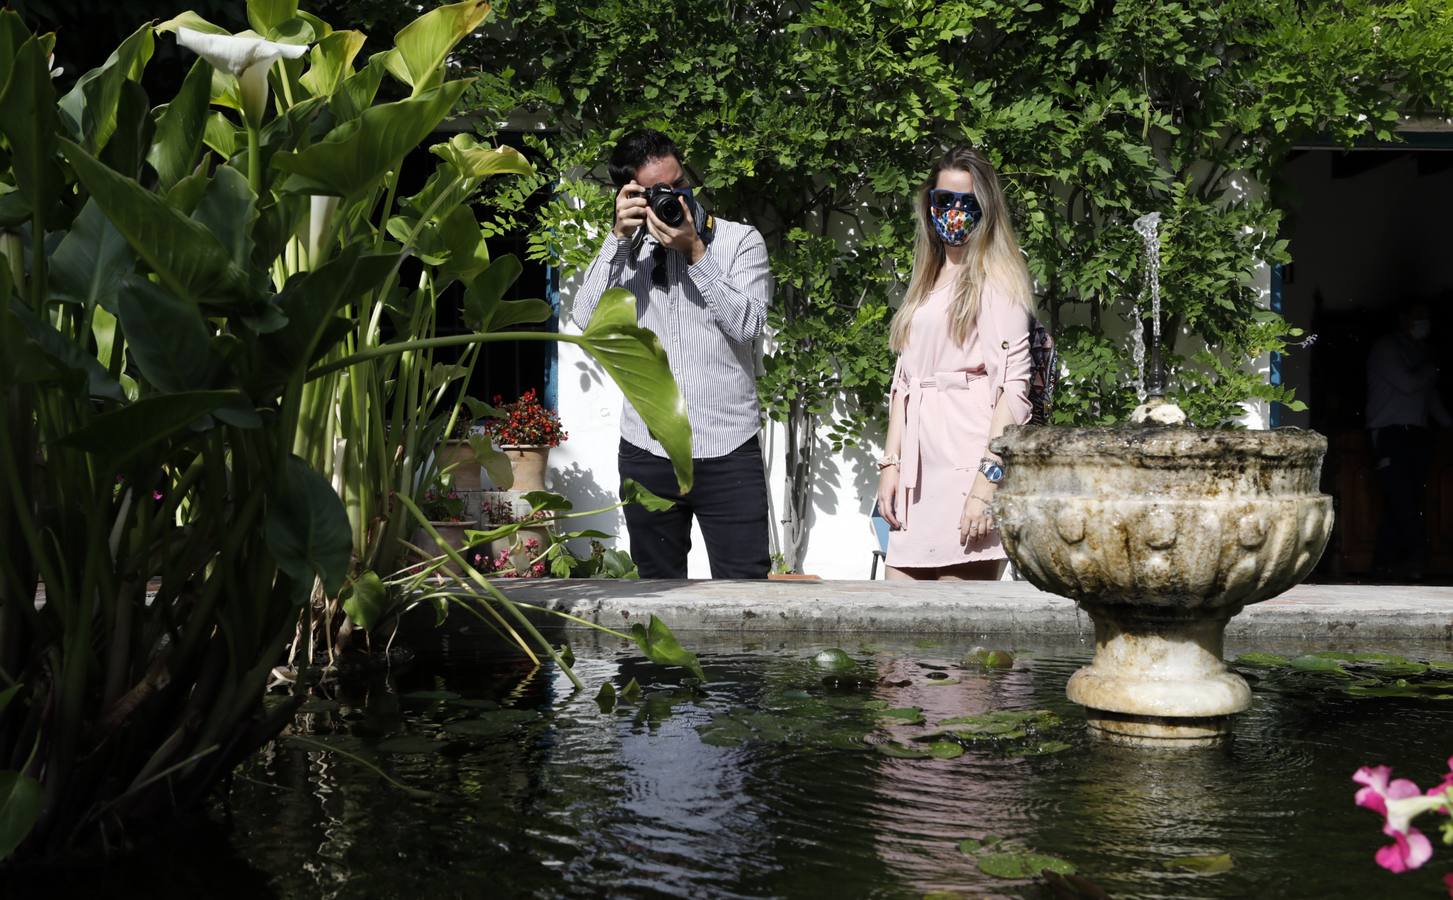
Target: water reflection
(566,800)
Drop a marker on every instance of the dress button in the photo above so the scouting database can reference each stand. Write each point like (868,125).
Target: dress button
(1004,345)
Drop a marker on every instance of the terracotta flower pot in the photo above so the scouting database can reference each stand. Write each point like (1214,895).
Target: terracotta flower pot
(450,534)
(458,458)
(528,463)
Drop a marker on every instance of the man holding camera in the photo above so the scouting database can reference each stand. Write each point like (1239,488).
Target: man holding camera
(702,285)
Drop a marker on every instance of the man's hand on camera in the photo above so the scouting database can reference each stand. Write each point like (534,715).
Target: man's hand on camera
(630,210)
(683,238)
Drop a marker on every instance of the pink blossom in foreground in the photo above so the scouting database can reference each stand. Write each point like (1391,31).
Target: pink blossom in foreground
(1399,801)
(1409,850)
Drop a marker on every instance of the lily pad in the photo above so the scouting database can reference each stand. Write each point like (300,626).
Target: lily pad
(945,750)
(834,660)
(1321,665)
(1202,865)
(989,659)
(1262,660)
(632,691)
(971,846)
(907,715)
(1021,864)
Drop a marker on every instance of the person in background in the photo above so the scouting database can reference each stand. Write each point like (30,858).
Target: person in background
(962,338)
(1402,400)
(702,284)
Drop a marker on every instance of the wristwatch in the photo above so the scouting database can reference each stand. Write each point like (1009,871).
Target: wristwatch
(890,459)
(991,470)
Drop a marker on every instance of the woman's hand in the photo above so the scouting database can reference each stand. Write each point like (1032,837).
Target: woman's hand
(888,495)
(976,521)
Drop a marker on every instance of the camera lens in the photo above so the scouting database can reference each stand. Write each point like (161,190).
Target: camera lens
(665,205)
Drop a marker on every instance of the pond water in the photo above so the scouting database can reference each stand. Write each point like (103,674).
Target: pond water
(769,781)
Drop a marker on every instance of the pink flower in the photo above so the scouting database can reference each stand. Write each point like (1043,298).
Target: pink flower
(1448,882)
(1407,851)
(1398,802)
(1379,790)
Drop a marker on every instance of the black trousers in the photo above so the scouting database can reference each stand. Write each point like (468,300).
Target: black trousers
(728,498)
(1404,454)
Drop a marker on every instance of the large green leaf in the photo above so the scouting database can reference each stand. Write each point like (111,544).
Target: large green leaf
(309,301)
(307,528)
(91,260)
(661,646)
(632,491)
(180,128)
(27,117)
(131,138)
(424,43)
(20,802)
(634,357)
(331,61)
(353,156)
(486,292)
(366,601)
(89,110)
(228,209)
(265,16)
(167,336)
(121,434)
(182,252)
(67,358)
(472,159)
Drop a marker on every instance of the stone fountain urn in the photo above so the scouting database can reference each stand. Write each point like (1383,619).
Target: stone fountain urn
(1162,534)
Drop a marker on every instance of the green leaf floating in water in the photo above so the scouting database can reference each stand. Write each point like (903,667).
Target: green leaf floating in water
(632,691)
(834,660)
(1021,864)
(970,846)
(907,715)
(1262,660)
(1320,665)
(989,659)
(1202,865)
(606,698)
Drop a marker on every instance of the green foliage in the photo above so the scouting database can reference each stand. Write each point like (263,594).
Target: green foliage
(816,120)
(205,436)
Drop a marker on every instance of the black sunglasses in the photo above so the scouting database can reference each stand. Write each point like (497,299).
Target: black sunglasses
(658,267)
(942,198)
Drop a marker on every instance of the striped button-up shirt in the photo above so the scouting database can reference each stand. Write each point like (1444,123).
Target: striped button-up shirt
(708,317)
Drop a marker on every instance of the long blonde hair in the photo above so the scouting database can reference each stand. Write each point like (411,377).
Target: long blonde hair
(993,253)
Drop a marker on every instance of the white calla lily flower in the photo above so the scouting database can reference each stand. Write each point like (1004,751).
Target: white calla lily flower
(248,58)
(320,215)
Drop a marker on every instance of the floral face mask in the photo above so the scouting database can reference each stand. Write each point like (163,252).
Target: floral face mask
(955,215)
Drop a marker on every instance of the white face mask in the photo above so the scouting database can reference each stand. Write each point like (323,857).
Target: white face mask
(1420,329)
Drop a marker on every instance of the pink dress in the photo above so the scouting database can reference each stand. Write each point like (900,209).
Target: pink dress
(949,391)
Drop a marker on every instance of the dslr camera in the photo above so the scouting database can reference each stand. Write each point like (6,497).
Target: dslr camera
(662,200)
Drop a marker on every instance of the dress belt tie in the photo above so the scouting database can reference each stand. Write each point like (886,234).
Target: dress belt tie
(908,473)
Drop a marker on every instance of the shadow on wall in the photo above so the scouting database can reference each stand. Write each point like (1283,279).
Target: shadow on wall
(582,488)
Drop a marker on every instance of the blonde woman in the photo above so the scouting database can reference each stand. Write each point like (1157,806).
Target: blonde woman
(962,338)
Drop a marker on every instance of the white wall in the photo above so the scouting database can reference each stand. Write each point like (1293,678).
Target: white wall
(584,470)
